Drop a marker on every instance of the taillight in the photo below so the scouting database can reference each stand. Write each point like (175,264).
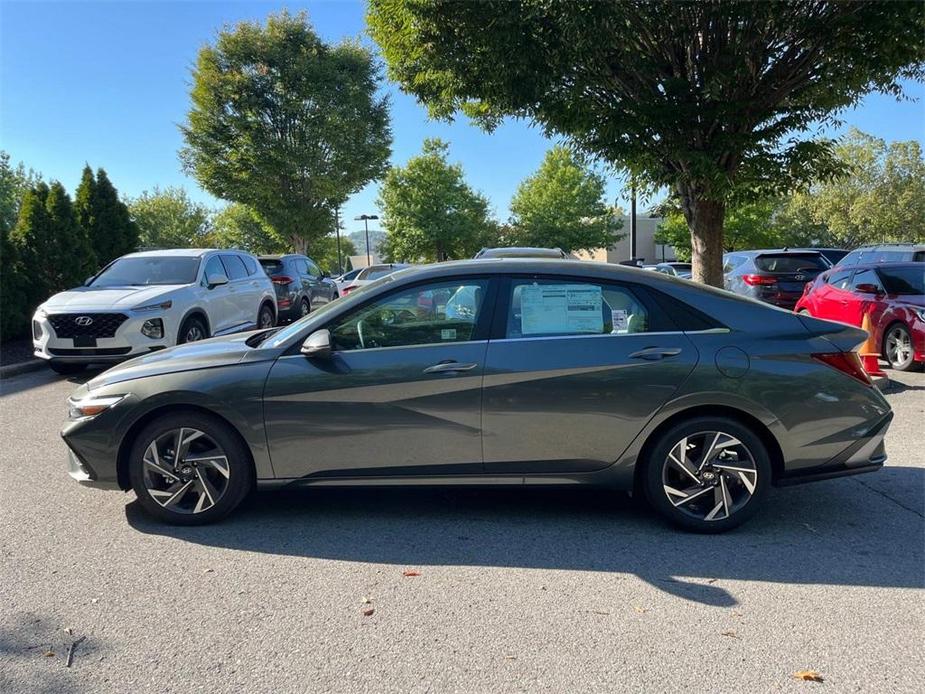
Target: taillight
(759,280)
(847,362)
(281,279)
(349,289)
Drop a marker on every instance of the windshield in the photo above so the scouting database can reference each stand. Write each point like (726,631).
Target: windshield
(294,329)
(147,270)
(904,280)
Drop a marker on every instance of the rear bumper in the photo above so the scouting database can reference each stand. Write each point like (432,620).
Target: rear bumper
(867,454)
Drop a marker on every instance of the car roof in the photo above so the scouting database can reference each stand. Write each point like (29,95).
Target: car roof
(903,264)
(177,253)
(520,252)
(905,244)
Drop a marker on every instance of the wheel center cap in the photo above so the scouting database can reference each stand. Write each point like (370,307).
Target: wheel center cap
(709,476)
(186,470)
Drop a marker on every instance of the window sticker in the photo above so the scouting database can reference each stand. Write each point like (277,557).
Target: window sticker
(561,308)
(448,334)
(620,321)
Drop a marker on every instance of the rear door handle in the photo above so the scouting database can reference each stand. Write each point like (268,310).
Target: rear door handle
(448,367)
(656,353)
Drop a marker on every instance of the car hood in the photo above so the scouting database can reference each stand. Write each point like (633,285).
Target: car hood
(916,300)
(97,298)
(206,354)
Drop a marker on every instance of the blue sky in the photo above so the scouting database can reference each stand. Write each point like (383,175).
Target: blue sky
(107,83)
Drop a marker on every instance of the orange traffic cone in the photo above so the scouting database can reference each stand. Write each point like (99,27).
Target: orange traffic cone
(870,358)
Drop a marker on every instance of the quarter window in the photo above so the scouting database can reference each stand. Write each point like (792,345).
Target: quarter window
(865,277)
(422,315)
(545,308)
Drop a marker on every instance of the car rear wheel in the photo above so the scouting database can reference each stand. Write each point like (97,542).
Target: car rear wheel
(265,318)
(707,474)
(897,348)
(189,469)
(65,368)
(304,308)
(192,330)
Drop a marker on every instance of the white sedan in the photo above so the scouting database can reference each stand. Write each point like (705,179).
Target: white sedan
(369,274)
(143,302)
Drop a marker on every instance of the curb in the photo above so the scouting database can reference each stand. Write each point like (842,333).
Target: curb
(21,368)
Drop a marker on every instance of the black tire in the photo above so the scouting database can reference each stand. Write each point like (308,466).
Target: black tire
(304,308)
(193,329)
(66,368)
(899,331)
(266,318)
(658,466)
(240,480)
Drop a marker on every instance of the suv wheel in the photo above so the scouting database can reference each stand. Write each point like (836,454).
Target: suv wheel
(265,318)
(707,474)
(192,330)
(189,468)
(304,308)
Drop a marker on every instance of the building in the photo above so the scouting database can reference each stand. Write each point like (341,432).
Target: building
(646,248)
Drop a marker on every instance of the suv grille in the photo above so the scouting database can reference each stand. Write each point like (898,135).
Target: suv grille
(100,324)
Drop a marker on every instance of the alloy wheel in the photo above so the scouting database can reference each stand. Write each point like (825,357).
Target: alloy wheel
(186,471)
(898,346)
(266,318)
(193,333)
(304,308)
(709,475)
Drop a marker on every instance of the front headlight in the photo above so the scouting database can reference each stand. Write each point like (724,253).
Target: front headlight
(91,406)
(160,306)
(920,312)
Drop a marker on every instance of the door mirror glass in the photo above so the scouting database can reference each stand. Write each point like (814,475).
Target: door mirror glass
(216,279)
(317,345)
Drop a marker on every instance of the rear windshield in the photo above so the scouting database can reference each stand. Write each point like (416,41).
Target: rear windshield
(143,271)
(272,267)
(903,280)
(790,262)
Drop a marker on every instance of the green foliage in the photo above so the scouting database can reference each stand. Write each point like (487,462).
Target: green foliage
(324,253)
(706,98)
(14,182)
(562,205)
(169,219)
(104,217)
(429,212)
(238,226)
(286,124)
(881,200)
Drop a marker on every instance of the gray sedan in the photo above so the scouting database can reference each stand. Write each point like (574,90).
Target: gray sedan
(505,372)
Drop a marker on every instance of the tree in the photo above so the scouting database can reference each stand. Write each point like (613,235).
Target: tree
(286,124)
(105,218)
(324,252)
(238,226)
(882,199)
(706,98)
(562,205)
(169,219)
(14,183)
(429,212)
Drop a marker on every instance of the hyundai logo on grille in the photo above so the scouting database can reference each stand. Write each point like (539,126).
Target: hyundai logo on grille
(83,320)
(799,277)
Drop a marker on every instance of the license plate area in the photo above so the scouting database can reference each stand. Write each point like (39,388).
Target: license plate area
(84,341)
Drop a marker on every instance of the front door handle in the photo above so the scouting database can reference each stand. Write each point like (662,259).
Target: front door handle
(656,353)
(449,367)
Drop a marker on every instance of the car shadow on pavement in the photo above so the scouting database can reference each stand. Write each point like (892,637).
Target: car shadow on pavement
(24,382)
(838,532)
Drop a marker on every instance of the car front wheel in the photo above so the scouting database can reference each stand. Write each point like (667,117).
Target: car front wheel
(707,474)
(189,468)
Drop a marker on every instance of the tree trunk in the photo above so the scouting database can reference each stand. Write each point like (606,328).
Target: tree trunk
(298,244)
(705,220)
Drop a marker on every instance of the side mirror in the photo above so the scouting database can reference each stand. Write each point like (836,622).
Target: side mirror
(325,274)
(216,279)
(866,288)
(317,345)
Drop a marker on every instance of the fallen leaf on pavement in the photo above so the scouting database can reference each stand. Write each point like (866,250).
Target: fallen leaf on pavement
(641,610)
(408,574)
(369,612)
(209,571)
(510,657)
(365,601)
(808,676)
(729,632)
(49,654)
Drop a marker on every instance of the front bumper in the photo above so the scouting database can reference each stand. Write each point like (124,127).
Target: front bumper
(84,474)
(127,342)
(867,454)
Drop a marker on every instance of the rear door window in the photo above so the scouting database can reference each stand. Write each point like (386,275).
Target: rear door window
(235,267)
(789,262)
(839,279)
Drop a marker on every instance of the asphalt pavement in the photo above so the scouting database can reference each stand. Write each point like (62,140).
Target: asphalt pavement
(526,590)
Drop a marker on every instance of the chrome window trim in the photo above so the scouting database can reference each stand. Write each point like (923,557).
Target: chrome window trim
(382,349)
(710,331)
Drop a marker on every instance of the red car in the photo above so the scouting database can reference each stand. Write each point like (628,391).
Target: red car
(893,294)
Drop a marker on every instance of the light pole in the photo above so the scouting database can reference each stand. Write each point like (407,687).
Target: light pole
(366,218)
(340,262)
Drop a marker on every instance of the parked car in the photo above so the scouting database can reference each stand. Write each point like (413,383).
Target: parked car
(892,294)
(521,252)
(532,372)
(832,255)
(776,277)
(300,284)
(344,280)
(675,269)
(370,274)
(143,302)
(885,253)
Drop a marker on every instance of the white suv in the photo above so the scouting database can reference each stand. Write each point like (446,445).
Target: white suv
(143,302)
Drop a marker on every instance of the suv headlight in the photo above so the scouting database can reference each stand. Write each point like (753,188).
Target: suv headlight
(91,406)
(160,306)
